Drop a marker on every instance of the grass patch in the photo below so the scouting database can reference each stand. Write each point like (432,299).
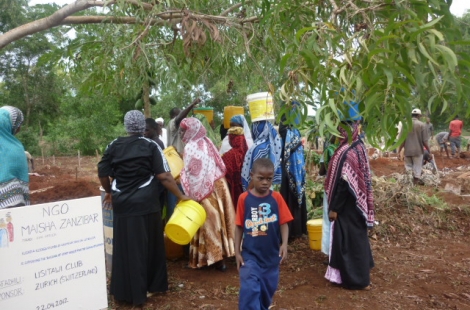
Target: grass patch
(435,202)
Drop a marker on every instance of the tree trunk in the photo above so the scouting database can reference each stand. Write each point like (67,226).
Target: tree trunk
(27,100)
(146,98)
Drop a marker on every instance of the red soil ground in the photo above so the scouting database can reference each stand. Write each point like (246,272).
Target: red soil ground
(422,255)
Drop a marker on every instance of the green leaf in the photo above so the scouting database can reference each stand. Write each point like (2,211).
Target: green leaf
(389,75)
(444,105)
(431,23)
(302,31)
(334,109)
(425,53)
(448,55)
(310,58)
(412,54)
(438,34)
(430,102)
(379,50)
(283,61)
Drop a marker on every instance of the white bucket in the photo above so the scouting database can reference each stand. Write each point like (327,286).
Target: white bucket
(261,106)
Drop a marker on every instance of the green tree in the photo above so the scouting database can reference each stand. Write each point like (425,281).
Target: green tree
(387,55)
(31,82)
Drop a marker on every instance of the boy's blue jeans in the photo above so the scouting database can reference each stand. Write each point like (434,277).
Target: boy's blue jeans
(257,286)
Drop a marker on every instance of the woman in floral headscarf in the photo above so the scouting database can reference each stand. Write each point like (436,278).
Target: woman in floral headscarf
(233,160)
(14,178)
(203,179)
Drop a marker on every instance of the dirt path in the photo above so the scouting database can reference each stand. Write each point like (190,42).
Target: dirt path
(422,255)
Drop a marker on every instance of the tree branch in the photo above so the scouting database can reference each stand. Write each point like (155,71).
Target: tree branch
(46,23)
(233,7)
(62,17)
(78,20)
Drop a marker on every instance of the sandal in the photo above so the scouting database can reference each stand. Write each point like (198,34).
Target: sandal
(220,266)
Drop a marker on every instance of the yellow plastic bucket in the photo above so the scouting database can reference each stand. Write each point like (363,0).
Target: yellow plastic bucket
(261,106)
(207,112)
(174,161)
(187,218)
(314,228)
(229,112)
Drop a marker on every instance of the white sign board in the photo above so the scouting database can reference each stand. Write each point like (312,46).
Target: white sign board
(52,256)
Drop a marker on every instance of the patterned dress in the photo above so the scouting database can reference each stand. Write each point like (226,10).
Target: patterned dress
(203,180)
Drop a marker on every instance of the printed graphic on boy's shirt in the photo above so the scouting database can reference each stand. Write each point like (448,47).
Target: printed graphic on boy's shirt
(260,218)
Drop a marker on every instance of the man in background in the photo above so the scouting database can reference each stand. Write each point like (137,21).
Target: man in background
(174,139)
(455,131)
(441,139)
(415,143)
(177,116)
(163,135)
(153,131)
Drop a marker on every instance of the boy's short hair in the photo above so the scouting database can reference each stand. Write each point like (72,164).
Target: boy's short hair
(262,163)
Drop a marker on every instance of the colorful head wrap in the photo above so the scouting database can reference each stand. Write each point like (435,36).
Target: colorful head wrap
(16,117)
(237,119)
(202,162)
(267,144)
(134,121)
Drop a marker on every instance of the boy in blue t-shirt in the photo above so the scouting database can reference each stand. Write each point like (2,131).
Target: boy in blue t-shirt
(261,220)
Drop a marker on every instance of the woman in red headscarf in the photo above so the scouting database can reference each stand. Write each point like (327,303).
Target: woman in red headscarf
(203,179)
(233,160)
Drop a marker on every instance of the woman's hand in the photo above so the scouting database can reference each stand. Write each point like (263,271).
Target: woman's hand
(332,215)
(184,198)
(107,202)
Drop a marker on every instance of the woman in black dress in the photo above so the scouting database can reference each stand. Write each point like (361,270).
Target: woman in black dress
(135,165)
(348,187)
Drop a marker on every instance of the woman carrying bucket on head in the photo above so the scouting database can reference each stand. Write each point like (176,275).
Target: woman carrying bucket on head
(237,121)
(267,144)
(233,159)
(203,179)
